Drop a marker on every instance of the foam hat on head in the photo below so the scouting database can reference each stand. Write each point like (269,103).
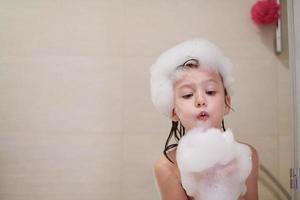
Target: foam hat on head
(163,70)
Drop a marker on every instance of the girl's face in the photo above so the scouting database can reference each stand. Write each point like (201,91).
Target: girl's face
(200,99)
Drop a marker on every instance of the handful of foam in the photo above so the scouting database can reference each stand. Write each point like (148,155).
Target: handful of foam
(212,165)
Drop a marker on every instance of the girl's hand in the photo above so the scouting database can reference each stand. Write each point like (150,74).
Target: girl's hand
(216,172)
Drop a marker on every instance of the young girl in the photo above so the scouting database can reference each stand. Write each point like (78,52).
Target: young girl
(191,84)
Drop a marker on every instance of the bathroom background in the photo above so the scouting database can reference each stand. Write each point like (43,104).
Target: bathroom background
(76,118)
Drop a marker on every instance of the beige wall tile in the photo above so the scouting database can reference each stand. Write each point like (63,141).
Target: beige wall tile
(76,117)
(285,113)
(285,157)
(254,100)
(267,190)
(61,93)
(139,113)
(58,165)
(140,151)
(167,23)
(62,28)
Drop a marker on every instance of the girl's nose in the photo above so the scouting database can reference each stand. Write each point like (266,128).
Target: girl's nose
(200,101)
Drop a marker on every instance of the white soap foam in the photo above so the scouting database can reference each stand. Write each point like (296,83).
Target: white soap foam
(213,166)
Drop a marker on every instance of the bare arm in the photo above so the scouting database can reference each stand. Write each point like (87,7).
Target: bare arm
(252,180)
(168,183)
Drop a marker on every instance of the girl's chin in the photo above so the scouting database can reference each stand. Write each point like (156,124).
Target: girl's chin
(201,124)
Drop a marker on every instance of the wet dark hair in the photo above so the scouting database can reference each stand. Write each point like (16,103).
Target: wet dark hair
(177,129)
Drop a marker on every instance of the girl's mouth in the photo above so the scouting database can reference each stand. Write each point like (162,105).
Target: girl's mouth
(203,116)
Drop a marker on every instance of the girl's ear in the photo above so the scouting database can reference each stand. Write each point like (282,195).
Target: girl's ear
(175,117)
(228,104)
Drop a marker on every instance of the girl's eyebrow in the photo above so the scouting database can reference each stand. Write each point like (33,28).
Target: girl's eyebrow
(191,84)
(210,81)
(186,85)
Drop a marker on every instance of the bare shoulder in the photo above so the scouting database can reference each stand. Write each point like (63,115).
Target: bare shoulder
(163,168)
(168,178)
(252,180)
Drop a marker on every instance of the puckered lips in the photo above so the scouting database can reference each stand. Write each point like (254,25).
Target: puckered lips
(203,116)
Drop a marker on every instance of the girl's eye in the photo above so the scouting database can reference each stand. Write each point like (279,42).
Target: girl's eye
(187,96)
(211,92)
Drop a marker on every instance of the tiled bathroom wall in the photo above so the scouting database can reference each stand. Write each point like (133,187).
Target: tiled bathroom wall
(76,118)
